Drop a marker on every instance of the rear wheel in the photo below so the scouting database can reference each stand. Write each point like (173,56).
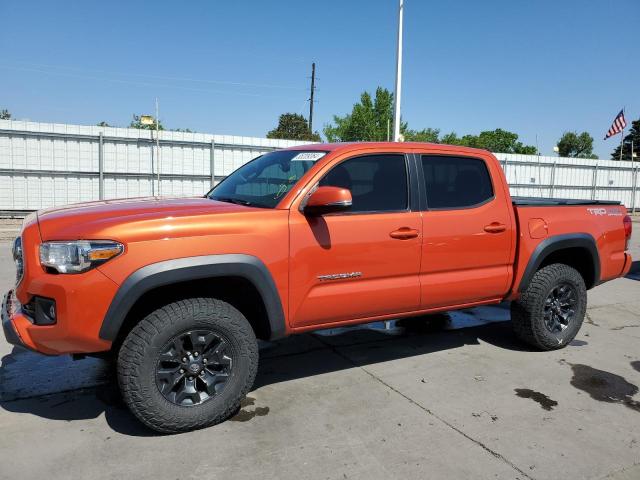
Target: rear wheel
(550,311)
(187,365)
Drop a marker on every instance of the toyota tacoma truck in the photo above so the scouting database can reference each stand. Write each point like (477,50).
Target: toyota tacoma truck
(301,239)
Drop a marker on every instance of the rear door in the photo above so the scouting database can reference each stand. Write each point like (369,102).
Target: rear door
(468,231)
(360,263)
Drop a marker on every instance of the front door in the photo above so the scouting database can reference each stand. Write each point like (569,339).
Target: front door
(363,262)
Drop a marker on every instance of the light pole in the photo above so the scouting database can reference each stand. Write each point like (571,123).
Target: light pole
(158,143)
(149,120)
(398,93)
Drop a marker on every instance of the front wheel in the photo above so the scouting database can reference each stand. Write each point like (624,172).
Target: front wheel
(187,365)
(549,313)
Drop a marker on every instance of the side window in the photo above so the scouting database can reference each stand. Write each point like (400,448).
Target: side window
(378,183)
(456,182)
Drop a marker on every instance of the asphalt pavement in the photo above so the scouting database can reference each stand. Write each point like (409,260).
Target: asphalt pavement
(458,397)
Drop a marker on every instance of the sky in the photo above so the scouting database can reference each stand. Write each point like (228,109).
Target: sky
(534,67)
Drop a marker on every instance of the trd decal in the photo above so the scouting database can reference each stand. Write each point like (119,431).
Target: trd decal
(611,212)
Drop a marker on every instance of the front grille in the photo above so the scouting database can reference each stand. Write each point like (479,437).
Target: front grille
(18,258)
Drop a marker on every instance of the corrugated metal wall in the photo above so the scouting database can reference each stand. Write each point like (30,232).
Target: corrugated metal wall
(43,165)
(538,176)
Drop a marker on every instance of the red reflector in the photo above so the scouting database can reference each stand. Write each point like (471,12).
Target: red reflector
(628,227)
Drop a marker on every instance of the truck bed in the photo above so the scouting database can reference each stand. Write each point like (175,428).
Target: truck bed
(554,202)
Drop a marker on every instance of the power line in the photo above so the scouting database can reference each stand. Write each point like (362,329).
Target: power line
(158,77)
(141,84)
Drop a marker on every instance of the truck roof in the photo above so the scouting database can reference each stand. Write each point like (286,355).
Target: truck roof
(337,146)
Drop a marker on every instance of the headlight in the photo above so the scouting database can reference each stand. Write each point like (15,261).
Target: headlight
(78,256)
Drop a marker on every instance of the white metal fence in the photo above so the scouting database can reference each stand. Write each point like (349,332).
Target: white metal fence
(43,165)
(538,176)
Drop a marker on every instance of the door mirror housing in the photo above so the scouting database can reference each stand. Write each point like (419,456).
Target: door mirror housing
(328,200)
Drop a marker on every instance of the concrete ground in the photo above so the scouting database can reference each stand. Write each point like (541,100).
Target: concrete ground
(464,401)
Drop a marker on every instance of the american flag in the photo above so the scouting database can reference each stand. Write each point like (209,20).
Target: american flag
(617,126)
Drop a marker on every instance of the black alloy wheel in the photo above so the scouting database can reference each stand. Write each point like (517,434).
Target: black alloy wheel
(559,307)
(193,367)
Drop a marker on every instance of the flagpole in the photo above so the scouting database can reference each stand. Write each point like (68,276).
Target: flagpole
(622,138)
(398,92)
(634,179)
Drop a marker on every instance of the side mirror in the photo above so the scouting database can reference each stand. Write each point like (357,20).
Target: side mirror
(328,200)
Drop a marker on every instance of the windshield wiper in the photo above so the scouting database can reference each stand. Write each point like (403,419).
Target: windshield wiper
(237,201)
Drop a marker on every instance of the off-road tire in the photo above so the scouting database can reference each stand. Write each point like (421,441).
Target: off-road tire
(527,313)
(138,357)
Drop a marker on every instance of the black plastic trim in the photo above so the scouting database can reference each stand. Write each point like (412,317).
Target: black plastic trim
(414,183)
(193,268)
(422,187)
(560,242)
(9,332)
(42,306)
(554,202)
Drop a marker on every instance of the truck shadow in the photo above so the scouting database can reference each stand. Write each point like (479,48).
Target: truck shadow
(288,359)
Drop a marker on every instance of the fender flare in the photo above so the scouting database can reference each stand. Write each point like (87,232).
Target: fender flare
(559,242)
(193,268)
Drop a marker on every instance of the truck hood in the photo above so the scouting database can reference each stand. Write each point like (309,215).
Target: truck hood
(131,218)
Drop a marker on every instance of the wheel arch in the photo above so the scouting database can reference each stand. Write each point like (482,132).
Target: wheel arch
(577,250)
(209,271)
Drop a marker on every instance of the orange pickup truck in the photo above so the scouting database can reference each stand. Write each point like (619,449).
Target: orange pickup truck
(301,239)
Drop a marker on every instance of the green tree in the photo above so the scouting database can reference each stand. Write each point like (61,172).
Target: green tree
(450,139)
(369,120)
(502,141)
(103,124)
(5,115)
(634,134)
(431,135)
(498,140)
(576,145)
(292,126)
(137,123)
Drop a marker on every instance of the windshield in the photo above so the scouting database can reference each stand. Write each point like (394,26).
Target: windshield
(265,180)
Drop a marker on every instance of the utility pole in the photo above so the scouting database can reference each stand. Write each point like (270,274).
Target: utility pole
(398,92)
(313,88)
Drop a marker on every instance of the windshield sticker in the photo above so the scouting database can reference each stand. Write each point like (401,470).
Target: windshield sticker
(308,156)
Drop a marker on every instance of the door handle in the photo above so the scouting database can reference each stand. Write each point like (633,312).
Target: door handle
(495,227)
(404,233)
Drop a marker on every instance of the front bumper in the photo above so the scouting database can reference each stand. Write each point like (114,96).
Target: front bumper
(81,303)
(9,330)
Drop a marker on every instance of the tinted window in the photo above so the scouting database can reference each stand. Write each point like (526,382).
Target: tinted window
(264,181)
(455,182)
(377,182)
